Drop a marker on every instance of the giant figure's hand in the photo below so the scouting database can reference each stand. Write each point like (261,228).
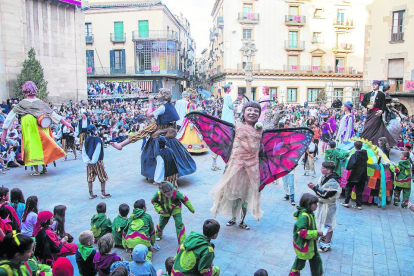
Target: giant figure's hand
(3,136)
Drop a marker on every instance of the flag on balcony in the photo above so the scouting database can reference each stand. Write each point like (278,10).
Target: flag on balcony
(296,18)
(250,15)
(315,68)
(294,67)
(341,69)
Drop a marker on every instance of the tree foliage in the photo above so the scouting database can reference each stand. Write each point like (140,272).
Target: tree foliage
(32,71)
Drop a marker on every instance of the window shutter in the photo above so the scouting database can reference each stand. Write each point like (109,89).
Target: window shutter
(396,68)
(123,67)
(112,60)
(143,29)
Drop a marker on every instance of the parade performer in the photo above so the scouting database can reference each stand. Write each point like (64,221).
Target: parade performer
(83,124)
(346,126)
(264,102)
(166,168)
(254,159)
(392,117)
(189,136)
(228,106)
(165,117)
(402,180)
(167,202)
(38,146)
(93,155)
(328,191)
(181,107)
(376,106)
(68,138)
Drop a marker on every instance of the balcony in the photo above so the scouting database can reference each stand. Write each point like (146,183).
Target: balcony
(89,39)
(343,48)
(132,71)
(295,20)
(306,69)
(220,22)
(248,17)
(154,35)
(242,67)
(397,38)
(395,86)
(343,23)
(118,38)
(293,45)
(212,35)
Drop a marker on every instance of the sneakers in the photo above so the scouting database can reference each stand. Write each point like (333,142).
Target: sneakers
(305,174)
(286,198)
(157,238)
(396,204)
(346,205)
(293,203)
(357,207)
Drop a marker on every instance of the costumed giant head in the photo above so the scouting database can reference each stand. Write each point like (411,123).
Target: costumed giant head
(30,89)
(164,94)
(251,112)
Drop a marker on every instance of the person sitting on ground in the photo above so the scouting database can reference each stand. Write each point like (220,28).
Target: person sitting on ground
(328,191)
(336,155)
(140,265)
(261,272)
(104,258)
(100,223)
(201,250)
(119,224)
(140,229)
(167,202)
(85,254)
(17,202)
(49,246)
(19,251)
(169,263)
(63,267)
(7,212)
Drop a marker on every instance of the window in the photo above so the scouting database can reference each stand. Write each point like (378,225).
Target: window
(313,94)
(396,70)
(355,94)
(88,29)
(316,64)
(119,31)
(318,13)
(398,26)
(242,90)
(292,95)
(143,29)
(338,94)
(273,93)
(293,10)
(317,37)
(247,34)
(247,8)
(339,65)
(90,67)
(340,17)
(293,63)
(293,39)
(117,58)
(154,57)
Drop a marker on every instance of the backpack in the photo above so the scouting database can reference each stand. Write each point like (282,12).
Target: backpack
(12,271)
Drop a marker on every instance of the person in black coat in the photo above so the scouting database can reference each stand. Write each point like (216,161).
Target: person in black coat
(357,164)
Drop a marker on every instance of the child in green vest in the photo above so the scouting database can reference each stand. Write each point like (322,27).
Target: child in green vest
(305,235)
(119,224)
(167,202)
(402,179)
(196,253)
(17,250)
(100,223)
(139,229)
(336,155)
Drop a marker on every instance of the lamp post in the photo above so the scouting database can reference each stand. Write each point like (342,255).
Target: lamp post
(249,50)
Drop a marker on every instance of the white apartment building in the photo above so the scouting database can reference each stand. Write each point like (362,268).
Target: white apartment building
(138,41)
(304,47)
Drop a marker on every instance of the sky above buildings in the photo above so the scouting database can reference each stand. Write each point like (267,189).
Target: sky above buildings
(198,13)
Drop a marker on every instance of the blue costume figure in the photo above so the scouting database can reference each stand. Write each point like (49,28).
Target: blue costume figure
(163,123)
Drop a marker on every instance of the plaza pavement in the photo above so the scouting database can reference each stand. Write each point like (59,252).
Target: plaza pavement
(368,242)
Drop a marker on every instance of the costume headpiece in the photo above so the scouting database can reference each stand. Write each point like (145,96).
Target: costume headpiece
(41,218)
(226,87)
(29,88)
(349,105)
(162,140)
(376,82)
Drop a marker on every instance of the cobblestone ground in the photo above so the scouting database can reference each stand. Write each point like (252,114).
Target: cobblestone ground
(369,242)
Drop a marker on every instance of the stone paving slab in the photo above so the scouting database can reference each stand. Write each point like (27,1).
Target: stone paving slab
(373,241)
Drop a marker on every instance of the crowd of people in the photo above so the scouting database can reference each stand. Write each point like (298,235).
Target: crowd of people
(89,127)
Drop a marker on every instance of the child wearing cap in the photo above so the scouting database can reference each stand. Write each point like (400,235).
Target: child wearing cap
(167,202)
(93,155)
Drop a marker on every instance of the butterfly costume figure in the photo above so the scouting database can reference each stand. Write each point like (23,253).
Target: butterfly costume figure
(253,157)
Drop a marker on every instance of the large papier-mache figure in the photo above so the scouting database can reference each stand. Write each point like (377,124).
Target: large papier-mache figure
(254,158)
